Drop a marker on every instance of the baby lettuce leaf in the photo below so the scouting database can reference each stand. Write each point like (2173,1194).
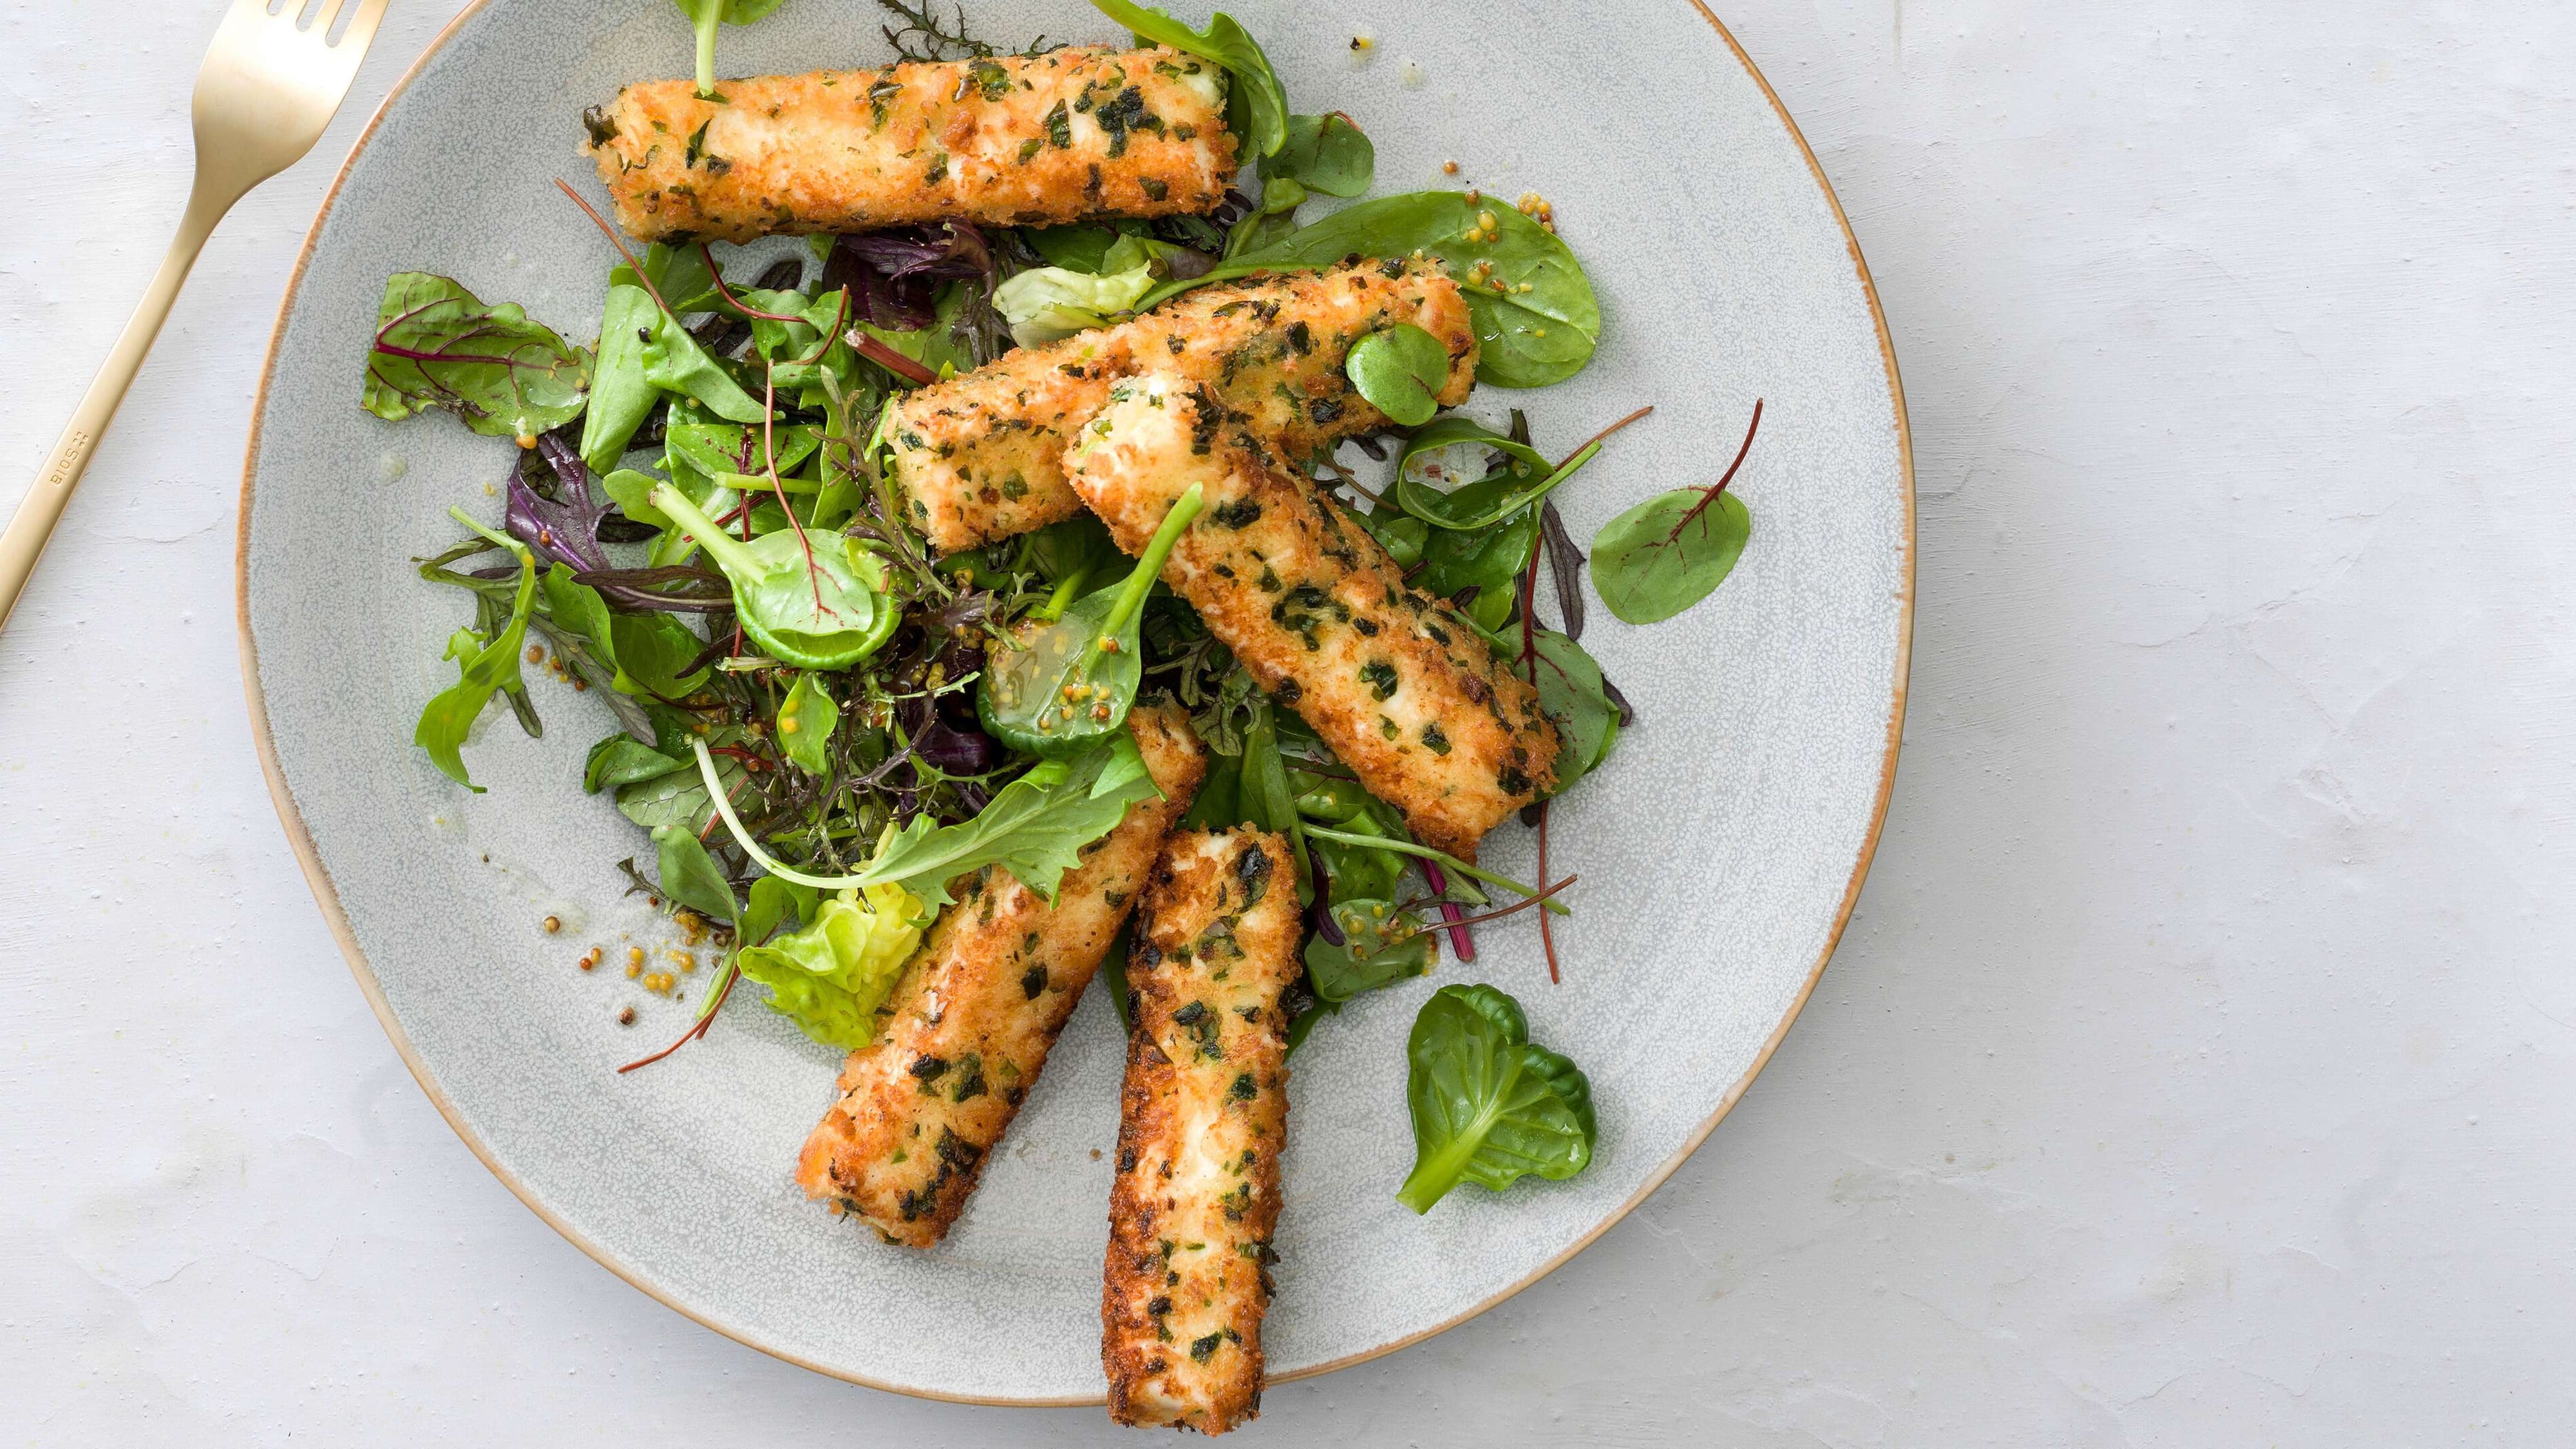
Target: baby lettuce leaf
(438,346)
(1256,104)
(1668,553)
(1330,154)
(1489,1106)
(830,977)
(1530,338)
(621,396)
(488,666)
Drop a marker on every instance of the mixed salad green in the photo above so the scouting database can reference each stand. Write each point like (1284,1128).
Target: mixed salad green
(813,721)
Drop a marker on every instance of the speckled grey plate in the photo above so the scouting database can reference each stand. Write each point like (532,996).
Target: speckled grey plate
(1719,855)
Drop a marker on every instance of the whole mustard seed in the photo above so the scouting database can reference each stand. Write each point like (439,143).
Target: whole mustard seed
(1447,168)
(553,924)
(626,1017)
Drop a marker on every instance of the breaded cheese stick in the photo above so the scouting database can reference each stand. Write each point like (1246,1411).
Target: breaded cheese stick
(1013,140)
(1202,1120)
(1403,689)
(977,1009)
(980,457)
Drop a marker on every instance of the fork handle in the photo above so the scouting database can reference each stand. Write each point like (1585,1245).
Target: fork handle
(33,524)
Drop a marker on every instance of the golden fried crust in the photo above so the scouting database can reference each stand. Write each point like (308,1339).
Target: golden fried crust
(1013,141)
(1203,1118)
(980,456)
(967,1029)
(1402,688)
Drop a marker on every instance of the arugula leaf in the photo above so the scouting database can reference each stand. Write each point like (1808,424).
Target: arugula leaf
(439,346)
(486,666)
(1489,1106)
(830,977)
(1035,828)
(1256,105)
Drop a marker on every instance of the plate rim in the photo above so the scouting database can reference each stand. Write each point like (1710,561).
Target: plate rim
(326,893)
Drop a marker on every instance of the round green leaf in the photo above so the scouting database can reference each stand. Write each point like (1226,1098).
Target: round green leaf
(1400,371)
(1668,553)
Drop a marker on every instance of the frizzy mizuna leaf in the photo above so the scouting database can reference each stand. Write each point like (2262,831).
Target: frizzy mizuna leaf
(438,346)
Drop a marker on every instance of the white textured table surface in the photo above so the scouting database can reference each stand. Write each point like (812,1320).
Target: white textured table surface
(2200,1067)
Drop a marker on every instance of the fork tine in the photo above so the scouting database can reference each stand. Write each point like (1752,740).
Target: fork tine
(362,26)
(322,18)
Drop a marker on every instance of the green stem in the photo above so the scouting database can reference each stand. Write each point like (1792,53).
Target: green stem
(1064,595)
(706,24)
(750,847)
(501,539)
(1149,564)
(727,550)
(1407,847)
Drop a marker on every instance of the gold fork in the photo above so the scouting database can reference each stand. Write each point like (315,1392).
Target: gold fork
(268,87)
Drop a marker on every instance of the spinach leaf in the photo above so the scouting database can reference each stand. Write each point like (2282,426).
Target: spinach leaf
(1571,691)
(620,396)
(704,15)
(487,666)
(1380,946)
(1533,308)
(1524,477)
(1329,154)
(691,876)
(1272,220)
(1489,1106)
(715,449)
(620,759)
(674,362)
(1070,684)
(647,650)
(806,720)
(816,603)
(1487,560)
(1076,248)
(830,976)
(679,798)
(1034,828)
(1400,370)
(438,346)
(1257,105)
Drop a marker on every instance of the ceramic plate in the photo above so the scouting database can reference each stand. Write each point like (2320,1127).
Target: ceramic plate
(1720,852)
